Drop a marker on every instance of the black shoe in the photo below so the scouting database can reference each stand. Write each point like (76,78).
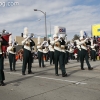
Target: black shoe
(82,69)
(23,74)
(90,68)
(30,72)
(2,84)
(43,66)
(64,75)
(57,74)
(14,70)
(11,70)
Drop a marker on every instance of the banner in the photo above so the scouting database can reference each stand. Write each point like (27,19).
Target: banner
(59,30)
(96,30)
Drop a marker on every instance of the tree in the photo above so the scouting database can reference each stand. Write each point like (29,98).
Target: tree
(76,37)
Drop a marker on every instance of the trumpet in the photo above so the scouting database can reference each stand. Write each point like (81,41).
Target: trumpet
(31,35)
(45,43)
(28,36)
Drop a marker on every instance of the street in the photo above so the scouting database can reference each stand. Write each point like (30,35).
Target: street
(44,85)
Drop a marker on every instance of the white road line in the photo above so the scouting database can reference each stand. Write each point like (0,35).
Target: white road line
(75,82)
(13,73)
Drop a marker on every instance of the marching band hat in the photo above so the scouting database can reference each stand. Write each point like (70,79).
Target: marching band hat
(25,33)
(81,33)
(10,39)
(55,35)
(39,40)
(81,38)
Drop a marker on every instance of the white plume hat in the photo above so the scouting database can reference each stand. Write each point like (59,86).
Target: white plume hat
(81,38)
(62,35)
(39,40)
(10,39)
(25,33)
(81,33)
(55,35)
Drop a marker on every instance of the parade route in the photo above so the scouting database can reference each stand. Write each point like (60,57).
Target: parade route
(44,85)
(49,78)
(50,50)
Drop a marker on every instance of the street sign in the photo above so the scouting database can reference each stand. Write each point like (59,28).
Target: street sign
(49,35)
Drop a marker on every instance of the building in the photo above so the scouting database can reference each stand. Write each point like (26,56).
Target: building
(19,39)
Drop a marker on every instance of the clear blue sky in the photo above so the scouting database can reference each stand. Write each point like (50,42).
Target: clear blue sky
(74,15)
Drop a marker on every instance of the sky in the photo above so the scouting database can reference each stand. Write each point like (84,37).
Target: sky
(74,15)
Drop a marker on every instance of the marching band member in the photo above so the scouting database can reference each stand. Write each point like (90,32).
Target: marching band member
(93,50)
(40,53)
(27,43)
(11,50)
(79,49)
(45,50)
(71,53)
(56,52)
(2,76)
(67,54)
(32,53)
(62,55)
(84,52)
(51,50)
(59,54)
(4,39)
(45,53)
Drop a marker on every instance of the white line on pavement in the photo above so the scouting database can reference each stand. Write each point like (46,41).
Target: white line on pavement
(76,82)
(13,73)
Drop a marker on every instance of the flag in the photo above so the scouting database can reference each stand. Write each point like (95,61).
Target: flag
(85,34)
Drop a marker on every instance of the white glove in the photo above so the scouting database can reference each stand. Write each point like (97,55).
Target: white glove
(52,42)
(86,39)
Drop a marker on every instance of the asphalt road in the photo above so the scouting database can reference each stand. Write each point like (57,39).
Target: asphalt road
(44,85)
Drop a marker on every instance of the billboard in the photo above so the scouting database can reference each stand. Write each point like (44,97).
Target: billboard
(96,30)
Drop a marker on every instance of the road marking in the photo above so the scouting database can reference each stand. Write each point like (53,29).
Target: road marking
(75,82)
(13,73)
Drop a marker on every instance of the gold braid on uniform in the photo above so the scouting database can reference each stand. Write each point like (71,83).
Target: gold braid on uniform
(12,49)
(85,45)
(27,43)
(57,44)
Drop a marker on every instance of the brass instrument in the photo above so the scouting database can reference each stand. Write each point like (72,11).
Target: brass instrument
(57,44)
(13,49)
(85,45)
(62,46)
(52,46)
(27,43)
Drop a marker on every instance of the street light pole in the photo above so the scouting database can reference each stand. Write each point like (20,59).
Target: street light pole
(47,25)
(45,21)
(50,28)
